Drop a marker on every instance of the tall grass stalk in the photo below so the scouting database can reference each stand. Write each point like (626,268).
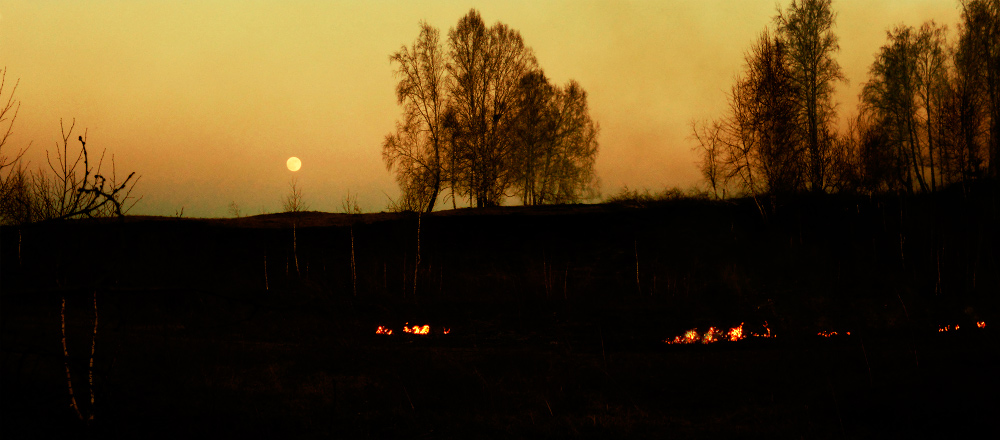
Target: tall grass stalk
(416,265)
(638,287)
(90,369)
(354,276)
(295,252)
(69,379)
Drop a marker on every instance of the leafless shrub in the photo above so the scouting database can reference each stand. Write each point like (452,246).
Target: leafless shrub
(294,201)
(349,205)
(234,210)
(77,188)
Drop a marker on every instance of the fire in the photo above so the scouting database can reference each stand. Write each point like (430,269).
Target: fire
(735,333)
(827,334)
(945,328)
(418,330)
(764,335)
(414,330)
(715,335)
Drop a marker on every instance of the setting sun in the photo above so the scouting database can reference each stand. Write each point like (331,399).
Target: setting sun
(294,163)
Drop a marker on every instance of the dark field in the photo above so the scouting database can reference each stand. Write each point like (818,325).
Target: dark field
(552,331)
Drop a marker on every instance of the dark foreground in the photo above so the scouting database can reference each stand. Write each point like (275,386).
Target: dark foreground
(551,330)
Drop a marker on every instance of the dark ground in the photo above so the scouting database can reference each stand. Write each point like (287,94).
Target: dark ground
(551,332)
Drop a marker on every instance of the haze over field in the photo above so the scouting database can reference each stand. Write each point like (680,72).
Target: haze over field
(208,101)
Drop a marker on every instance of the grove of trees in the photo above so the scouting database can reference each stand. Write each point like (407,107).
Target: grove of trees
(481,123)
(928,116)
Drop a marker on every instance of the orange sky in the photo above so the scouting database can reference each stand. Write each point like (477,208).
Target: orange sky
(207,99)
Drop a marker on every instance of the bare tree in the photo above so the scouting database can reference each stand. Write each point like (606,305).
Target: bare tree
(294,201)
(905,93)
(979,45)
(349,205)
(709,143)
(482,119)
(15,180)
(962,112)
(806,27)
(486,67)
(556,143)
(772,105)
(931,77)
(756,145)
(415,149)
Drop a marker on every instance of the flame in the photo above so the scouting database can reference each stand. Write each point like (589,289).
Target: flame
(418,330)
(415,330)
(735,333)
(765,335)
(713,335)
(826,334)
(981,324)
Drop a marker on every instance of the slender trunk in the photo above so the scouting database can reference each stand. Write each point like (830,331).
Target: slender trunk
(915,153)
(930,138)
(69,380)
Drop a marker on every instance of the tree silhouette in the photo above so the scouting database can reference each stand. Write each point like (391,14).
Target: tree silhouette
(756,145)
(15,181)
(979,49)
(904,95)
(294,202)
(556,142)
(482,119)
(487,65)
(416,147)
(806,29)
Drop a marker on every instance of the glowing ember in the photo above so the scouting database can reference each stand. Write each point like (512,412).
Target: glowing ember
(764,335)
(414,330)
(712,335)
(827,334)
(418,330)
(735,333)
(981,324)
(715,335)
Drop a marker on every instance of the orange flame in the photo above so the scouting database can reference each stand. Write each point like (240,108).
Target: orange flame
(735,333)
(383,331)
(764,335)
(447,330)
(418,330)
(981,324)
(711,335)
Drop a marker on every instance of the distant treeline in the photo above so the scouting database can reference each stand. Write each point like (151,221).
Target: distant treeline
(481,120)
(929,114)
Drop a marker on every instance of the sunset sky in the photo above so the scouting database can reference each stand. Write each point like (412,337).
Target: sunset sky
(206,100)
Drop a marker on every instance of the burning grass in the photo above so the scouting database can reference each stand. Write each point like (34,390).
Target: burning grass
(414,330)
(714,334)
(956,327)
